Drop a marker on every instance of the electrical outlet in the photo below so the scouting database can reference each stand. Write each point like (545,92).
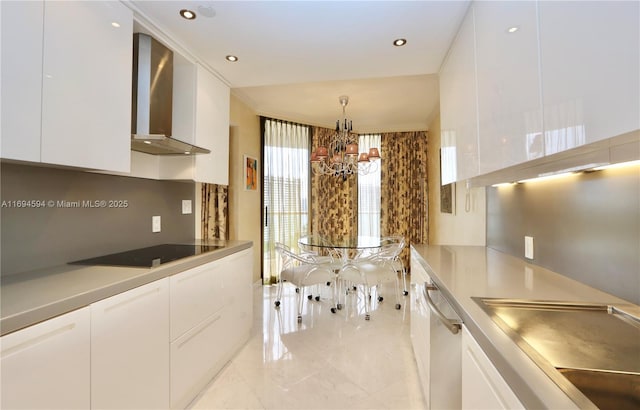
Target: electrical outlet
(156,225)
(186,206)
(528,247)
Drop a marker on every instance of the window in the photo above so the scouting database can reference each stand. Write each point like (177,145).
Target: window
(369,191)
(285,189)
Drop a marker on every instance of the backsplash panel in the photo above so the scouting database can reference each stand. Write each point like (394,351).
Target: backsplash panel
(72,223)
(585,226)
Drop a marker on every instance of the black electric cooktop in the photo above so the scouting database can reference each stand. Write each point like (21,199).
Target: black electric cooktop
(148,257)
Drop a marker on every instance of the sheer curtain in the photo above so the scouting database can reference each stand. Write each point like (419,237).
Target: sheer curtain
(286,189)
(369,191)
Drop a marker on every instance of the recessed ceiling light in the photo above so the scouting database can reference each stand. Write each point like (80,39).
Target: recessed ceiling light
(188,14)
(115,24)
(513,29)
(231,58)
(399,42)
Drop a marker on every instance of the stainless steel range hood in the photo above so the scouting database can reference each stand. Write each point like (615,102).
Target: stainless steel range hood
(152,99)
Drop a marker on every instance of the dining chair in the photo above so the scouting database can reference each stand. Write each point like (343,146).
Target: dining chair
(303,270)
(370,271)
(398,263)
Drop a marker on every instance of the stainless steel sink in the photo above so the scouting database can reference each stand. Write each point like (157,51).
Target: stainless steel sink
(607,390)
(593,346)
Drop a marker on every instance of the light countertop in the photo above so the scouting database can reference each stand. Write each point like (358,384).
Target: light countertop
(463,272)
(28,298)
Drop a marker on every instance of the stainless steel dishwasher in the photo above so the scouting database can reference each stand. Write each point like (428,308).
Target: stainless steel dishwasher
(445,350)
(437,341)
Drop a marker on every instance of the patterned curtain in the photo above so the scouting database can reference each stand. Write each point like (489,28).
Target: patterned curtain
(215,203)
(404,206)
(334,201)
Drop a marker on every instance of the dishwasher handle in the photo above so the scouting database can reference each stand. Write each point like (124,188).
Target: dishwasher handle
(452,325)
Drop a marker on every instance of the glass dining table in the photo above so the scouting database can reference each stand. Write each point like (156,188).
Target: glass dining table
(342,243)
(342,248)
(344,251)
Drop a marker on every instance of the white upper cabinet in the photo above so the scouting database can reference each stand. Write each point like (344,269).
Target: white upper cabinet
(200,116)
(458,107)
(212,128)
(590,54)
(509,101)
(66,83)
(86,86)
(21,79)
(565,77)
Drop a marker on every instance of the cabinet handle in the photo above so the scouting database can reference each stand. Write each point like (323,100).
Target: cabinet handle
(209,269)
(453,326)
(133,299)
(215,319)
(36,340)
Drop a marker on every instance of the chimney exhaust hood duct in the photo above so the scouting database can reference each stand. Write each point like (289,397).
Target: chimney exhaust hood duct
(152,99)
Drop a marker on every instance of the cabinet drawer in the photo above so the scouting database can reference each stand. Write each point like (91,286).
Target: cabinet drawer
(197,356)
(47,365)
(195,295)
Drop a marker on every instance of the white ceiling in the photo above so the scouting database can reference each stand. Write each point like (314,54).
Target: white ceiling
(297,57)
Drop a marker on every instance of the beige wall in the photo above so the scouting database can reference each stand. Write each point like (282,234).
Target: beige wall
(244,206)
(461,227)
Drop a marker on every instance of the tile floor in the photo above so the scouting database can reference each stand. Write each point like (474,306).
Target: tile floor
(329,361)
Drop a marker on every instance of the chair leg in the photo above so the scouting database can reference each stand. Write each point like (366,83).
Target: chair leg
(337,292)
(334,306)
(300,297)
(366,291)
(405,292)
(397,283)
(278,293)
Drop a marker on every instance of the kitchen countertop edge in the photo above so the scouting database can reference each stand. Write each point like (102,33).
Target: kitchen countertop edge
(24,286)
(528,381)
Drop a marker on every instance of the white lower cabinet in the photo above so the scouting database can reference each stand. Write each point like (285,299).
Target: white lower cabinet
(420,326)
(197,356)
(46,366)
(238,290)
(195,296)
(482,385)
(130,349)
(122,352)
(204,339)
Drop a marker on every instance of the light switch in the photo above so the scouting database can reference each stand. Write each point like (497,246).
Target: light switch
(528,247)
(156,224)
(186,206)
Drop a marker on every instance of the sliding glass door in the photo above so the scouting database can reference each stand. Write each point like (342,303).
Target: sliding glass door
(285,190)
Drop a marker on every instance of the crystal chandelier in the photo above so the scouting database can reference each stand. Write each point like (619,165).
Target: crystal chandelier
(341,157)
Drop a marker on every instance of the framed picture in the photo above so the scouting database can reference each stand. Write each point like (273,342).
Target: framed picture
(448,198)
(250,173)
